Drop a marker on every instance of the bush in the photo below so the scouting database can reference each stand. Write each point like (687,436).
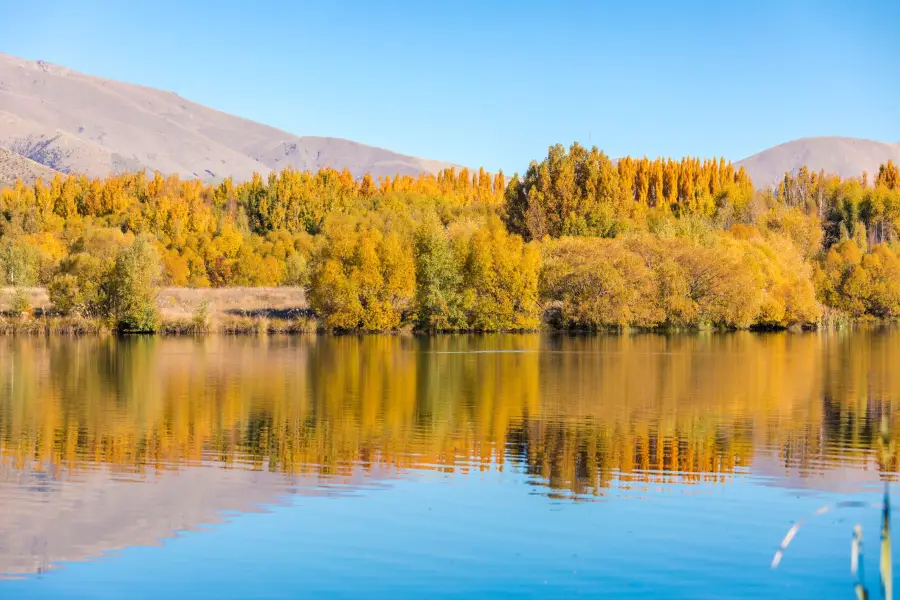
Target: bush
(20,305)
(19,263)
(500,279)
(361,278)
(860,285)
(439,300)
(598,283)
(201,319)
(64,293)
(133,286)
(737,281)
(80,284)
(296,270)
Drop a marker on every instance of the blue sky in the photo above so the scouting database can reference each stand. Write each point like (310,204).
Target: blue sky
(495,83)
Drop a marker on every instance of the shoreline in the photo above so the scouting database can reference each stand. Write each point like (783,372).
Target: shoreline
(285,311)
(72,326)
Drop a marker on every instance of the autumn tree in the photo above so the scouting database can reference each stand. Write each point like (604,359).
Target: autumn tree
(361,278)
(888,176)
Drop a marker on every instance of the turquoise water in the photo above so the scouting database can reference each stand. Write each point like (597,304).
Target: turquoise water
(402,467)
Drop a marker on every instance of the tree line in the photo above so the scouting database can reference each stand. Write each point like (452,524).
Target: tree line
(580,241)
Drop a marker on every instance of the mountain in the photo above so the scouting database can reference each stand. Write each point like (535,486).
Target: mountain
(13,166)
(847,157)
(75,123)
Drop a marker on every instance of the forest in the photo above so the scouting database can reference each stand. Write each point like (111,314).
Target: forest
(579,242)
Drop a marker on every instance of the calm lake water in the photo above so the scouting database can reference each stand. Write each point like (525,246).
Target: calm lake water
(499,466)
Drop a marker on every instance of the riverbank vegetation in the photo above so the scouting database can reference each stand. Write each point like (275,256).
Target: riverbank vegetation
(578,242)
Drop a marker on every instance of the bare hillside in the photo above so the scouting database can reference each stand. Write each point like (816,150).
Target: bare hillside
(76,123)
(847,157)
(13,166)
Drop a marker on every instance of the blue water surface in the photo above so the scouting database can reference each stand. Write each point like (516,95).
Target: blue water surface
(399,481)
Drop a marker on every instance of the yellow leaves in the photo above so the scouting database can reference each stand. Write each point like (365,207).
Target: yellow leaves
(352,242)
(360,278)
(480,278)
(650,282)
(198,277)
(597,284)
(47,243)
(784,278)
(804,231)
(228,241)
(332,296)
(744,232)
(500,280)
(399,268)
(861,285)
(848,252)
(581,193)
(888,176)
(253,269)
(176,267)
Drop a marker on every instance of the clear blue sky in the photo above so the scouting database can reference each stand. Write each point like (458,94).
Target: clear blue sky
(495,83)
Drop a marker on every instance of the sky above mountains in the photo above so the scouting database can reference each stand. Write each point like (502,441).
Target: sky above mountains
(495,83)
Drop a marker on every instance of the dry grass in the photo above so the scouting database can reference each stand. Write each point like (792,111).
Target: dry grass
(52,325)
(226,303)
(183,311)
(241,326)
(37,297)
(262,326)
(182,303)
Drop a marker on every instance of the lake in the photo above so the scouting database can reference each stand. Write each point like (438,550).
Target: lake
(491,466)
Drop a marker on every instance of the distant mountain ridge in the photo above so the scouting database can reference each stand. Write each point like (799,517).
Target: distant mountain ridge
(77,123)
(70,122)
(14,166)
(843,156)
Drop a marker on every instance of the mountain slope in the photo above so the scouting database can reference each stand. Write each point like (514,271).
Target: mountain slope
(13,166)
(77,123)
(74,122)
(847,157)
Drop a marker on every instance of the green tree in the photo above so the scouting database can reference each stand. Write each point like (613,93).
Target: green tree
(439,301)
(133,286)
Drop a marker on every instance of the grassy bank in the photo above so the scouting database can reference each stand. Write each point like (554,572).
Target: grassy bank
(176,303)
(183,311)
(266,311)
(247,325)
(52,325)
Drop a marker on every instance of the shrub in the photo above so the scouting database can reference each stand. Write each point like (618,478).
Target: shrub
(598,283)
(201,320)
(64,292)
(439,300)
(133,286)
(361,278)
(20,305)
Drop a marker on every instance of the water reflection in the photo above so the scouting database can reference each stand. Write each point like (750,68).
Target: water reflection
(87,425)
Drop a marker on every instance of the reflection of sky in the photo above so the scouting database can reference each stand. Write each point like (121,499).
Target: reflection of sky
(64,516)
(485,535)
